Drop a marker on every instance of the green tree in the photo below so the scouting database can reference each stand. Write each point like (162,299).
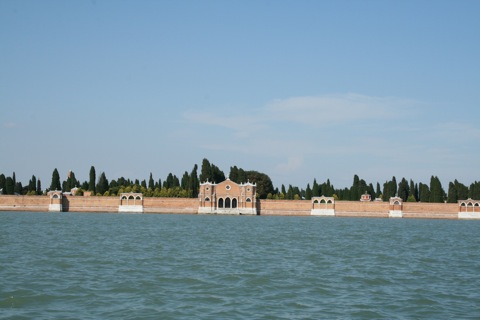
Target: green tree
(32,184)
(2,184)
(151,183)
(9,186)
(452,193)
(39,187)
(55,184)
(474,191)
(102,185)
(403,189)
(93,177)
(423,192)
(315,189)
(437,194)
(194,182)
(308,193)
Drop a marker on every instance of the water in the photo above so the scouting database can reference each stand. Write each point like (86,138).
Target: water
(113,266)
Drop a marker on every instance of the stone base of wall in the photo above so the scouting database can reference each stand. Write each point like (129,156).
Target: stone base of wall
(395,214)
(469,215)
(55,208)
(236,211)
(323,212)
(130,209)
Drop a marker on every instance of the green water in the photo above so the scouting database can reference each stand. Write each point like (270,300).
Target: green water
(114,266)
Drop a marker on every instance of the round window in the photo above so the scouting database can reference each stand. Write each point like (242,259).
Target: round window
(227,187)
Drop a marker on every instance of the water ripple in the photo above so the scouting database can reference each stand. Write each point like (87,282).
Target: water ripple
(91,266)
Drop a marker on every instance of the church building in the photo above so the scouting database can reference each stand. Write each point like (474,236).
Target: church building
(227,197)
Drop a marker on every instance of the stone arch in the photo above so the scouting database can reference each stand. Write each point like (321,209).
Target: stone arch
(249,200)
(207,199)
(234,203)
(228,203)
(220,203)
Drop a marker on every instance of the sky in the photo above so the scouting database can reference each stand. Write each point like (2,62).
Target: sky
(299,90)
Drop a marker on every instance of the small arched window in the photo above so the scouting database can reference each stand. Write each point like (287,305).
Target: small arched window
(207,199)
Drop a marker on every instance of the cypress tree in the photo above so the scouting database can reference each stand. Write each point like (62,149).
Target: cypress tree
(194,182)
(91,183)
(308,193)
(403,189)
(205,173)
(437,194)
(378,192)
(102,185)
(452,193)
(55,185)
(2,184)
(32,185)
(474,191)
(315,189)
(151,184)
(9,186)
(185,183)
(462,190)
(423,192)
(39,187)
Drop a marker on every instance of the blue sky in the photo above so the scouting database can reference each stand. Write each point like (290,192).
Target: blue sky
(295,89)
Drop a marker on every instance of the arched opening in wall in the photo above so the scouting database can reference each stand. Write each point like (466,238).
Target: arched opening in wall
(55,196)
(249,200)
(227,203)
(207,199)
(469,207)
(220,203)
(476,206)
(234,203)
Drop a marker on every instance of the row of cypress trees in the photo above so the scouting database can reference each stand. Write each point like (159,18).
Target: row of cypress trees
(188,186)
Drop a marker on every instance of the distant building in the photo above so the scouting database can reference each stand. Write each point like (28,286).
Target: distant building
(366,197)
(227,197)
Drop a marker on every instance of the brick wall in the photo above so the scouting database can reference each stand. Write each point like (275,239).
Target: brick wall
(284,207)
(90,204)
(170,205)
(24,203)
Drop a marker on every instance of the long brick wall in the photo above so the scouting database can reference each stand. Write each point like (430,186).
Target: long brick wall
(264,207)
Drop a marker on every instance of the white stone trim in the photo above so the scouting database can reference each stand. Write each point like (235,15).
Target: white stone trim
(395,214)
(469,215)
(323,212)
(130,209)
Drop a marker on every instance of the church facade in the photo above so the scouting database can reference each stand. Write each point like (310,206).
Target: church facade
(227,197)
